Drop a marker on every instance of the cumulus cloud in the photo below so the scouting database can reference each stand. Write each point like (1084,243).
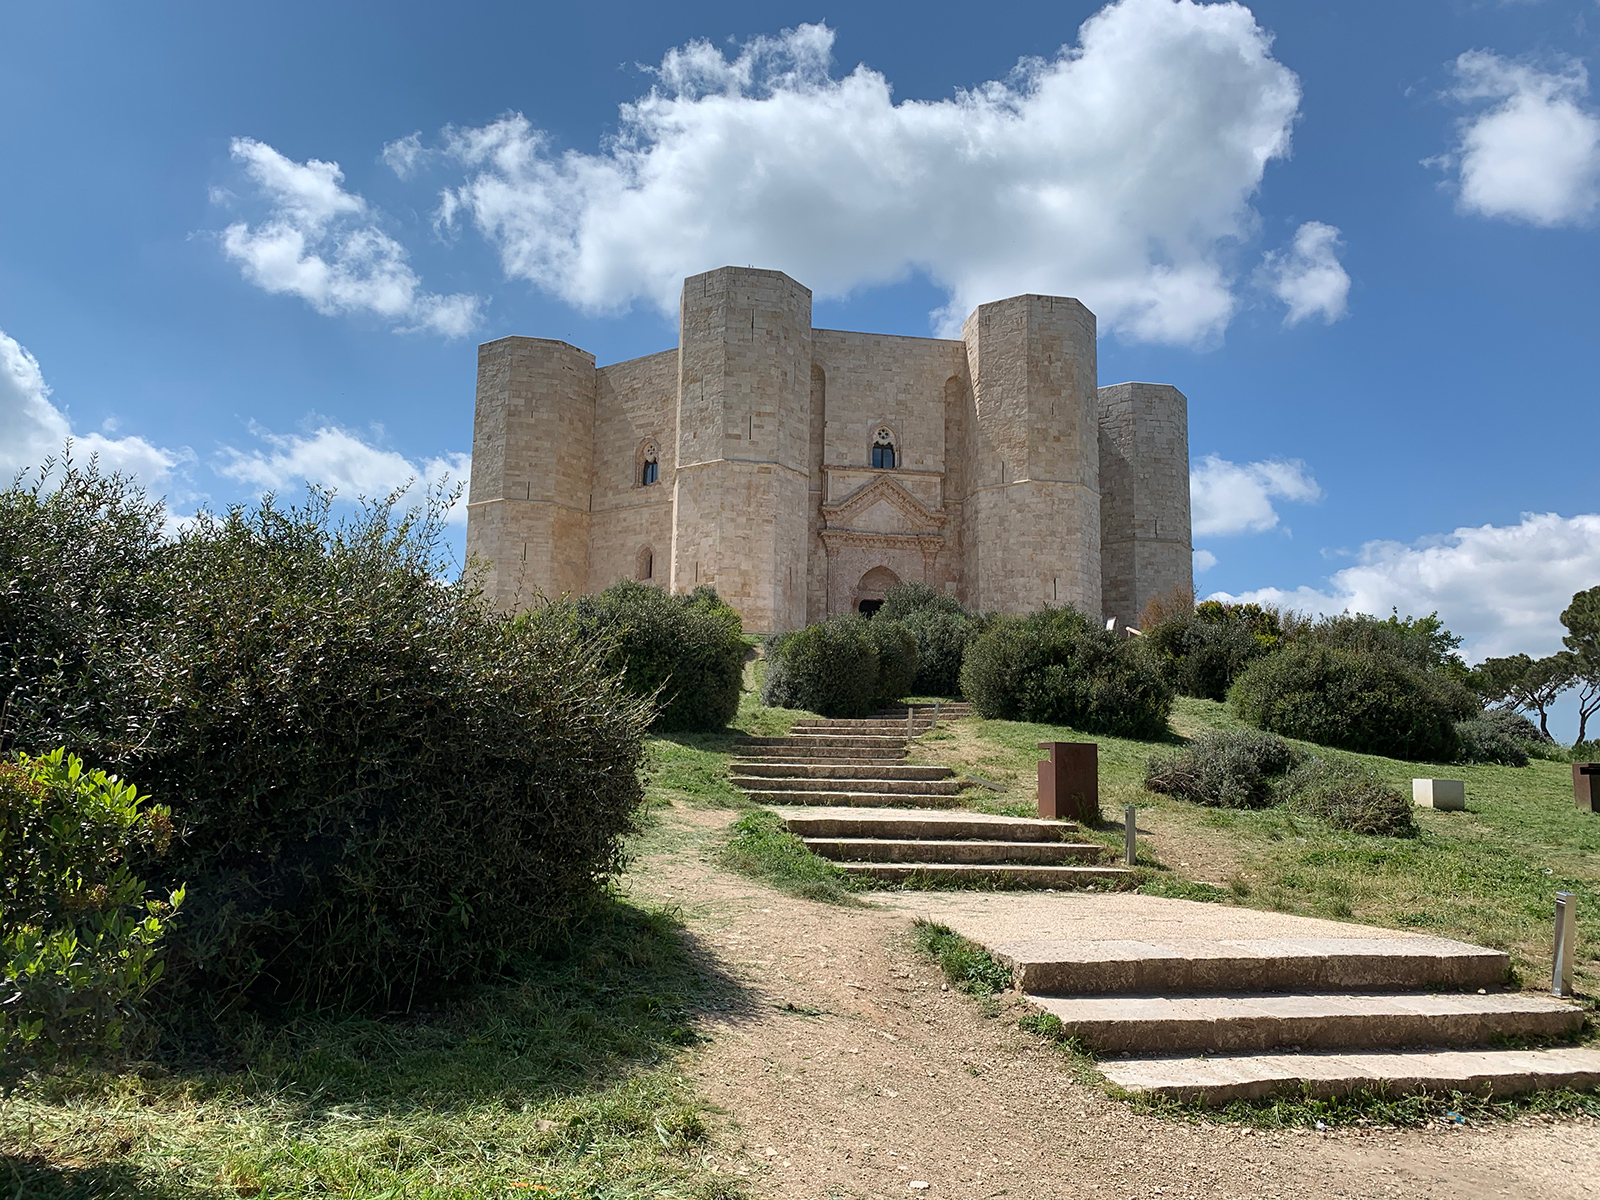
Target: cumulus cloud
(1227,497)
(323,244)
(406,156)
(32,428)
(1532,151)
(343,461)
(1308,277)
(1204,560)
(1120,171)
(1502,587)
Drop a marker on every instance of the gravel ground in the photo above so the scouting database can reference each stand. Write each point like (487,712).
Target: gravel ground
(842,1067)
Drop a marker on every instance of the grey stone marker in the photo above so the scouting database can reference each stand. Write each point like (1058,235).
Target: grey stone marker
(1565,943)
(1446,794)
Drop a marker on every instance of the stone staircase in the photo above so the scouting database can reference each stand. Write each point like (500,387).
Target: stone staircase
(1241,1020)
(844,788)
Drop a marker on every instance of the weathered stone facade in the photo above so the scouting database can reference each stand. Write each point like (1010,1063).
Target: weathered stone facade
(746,459)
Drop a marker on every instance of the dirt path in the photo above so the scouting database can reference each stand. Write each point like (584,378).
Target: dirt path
(897,1081)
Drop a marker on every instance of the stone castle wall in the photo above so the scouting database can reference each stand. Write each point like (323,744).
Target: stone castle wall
(1017,482)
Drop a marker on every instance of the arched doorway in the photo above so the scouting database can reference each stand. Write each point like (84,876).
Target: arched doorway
(869,592)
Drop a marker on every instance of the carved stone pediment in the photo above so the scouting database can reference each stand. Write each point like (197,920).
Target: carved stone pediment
(882,507)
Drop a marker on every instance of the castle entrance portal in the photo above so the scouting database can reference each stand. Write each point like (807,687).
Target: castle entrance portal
(869,592)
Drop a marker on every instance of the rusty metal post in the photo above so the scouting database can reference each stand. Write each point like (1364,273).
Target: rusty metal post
(1069,782)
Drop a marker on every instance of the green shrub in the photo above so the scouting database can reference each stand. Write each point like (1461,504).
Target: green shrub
(81,938)
(897,657)
(1355,699)
(1347,796)
(386,789)
(942,641)
(903,599)
(1058,667)
(1498,735)
(685,652)
(1229,768)
(829,668)
(760,845)
(1205,650)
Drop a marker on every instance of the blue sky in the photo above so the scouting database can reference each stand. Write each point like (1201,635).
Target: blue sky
(1361,237)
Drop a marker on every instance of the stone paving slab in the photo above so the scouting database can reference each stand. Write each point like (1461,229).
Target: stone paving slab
(1222,1079)
(1030,876)
(1172,1024)
(953,850)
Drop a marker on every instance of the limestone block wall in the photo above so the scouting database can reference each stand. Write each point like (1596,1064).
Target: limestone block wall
(1145,538)
(1032,513)
(532,437)
(744,432)
(631,523)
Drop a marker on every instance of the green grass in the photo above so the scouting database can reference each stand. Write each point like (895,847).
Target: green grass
(760,846)
(967,965)
(564,1080)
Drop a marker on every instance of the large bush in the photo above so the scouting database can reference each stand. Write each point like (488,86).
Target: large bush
(1233,768)
(942,629)
(383,787)
(81,938)
(1204,650)
(1498,735)
(1059,667)
(897,657)
(684,652)
(1356,698)
(829,668)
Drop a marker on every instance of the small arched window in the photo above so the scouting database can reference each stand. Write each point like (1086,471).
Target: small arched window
(647,565)
(883,449)
(650,464)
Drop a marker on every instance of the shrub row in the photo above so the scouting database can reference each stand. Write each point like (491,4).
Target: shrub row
(846,666)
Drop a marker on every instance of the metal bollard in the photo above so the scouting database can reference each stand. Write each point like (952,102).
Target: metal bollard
(1130,834)
(1565,944)
(911,722)
(934,723)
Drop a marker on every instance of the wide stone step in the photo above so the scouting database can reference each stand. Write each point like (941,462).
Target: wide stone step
(850,783)
(863,799)
(1230,1024)
(886,725)
(1223,1079)
(923,850)
(968,874)
(821,753)
(909,823)
(862,742)
(828,770)
(1254,965)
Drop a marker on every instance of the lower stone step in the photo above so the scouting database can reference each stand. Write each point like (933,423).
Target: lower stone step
(1224,1079)
(854,799)
(818,754)
(922,850)
(912,823)
(1306,964)
(844,782)
(1216,1024)
(808,769)
(965,874)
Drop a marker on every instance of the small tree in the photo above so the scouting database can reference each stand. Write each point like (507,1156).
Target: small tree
(1582,619)
(1521,682)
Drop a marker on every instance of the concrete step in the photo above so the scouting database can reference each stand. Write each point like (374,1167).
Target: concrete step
(862,799)
(1254,965)
(1245,1022)
(903,787)
(790,751)
(909,823)
(885,725)
(828,770)
(1050,876)
(1221,1080)
(965,851)
(843,741)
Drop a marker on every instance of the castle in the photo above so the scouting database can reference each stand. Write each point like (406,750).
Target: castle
(803,471)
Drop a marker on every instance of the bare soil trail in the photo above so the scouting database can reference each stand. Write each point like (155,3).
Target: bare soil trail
(846,1069)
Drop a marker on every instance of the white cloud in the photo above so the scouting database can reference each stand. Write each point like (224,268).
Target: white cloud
(1502,587)
(1227,497)
(1119,171)
(1308,277)
(406,156)
(1534,153)
(1204,560)
(323,244)
(336,458)
(33,429)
